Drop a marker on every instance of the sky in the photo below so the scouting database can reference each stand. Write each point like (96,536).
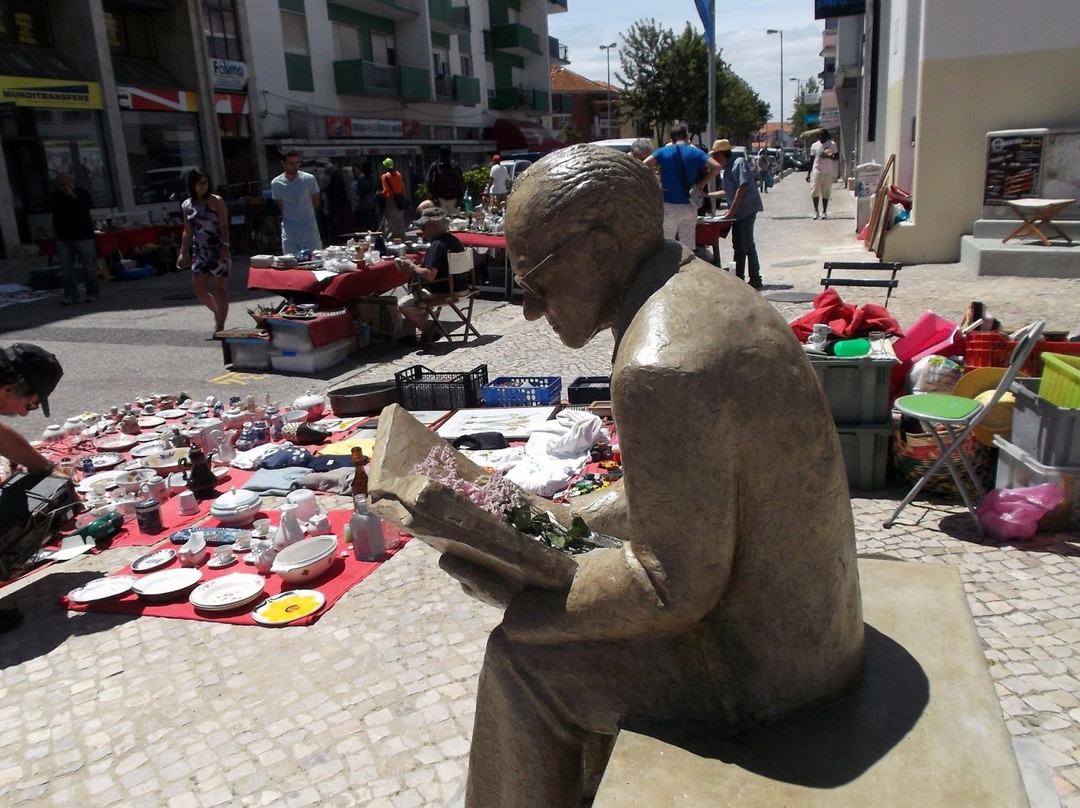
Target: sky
(741,40)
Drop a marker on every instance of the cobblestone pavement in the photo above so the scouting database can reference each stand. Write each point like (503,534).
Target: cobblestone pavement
(373,705)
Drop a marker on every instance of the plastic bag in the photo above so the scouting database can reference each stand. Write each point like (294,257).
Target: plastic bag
(935,374)
(1014,513)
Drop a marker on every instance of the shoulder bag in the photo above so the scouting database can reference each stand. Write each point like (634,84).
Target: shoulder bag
(693,193)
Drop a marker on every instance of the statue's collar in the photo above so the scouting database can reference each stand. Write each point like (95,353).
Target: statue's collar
(656,270)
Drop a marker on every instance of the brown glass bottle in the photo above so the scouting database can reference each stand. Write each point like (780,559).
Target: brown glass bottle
(360,478)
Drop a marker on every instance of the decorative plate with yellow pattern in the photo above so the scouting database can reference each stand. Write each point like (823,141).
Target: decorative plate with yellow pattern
(287,607)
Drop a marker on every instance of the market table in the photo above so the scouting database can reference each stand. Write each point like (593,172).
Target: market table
(708,233)
(1037,212)
(336,290)
(125,241)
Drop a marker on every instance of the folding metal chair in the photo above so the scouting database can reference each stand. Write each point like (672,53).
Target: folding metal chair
(460,287)
(959,417)
(874,270)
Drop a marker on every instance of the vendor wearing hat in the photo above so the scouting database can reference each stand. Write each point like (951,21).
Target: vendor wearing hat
(432,271)
(744,204)
(28,374)
(499,186)
(393,191)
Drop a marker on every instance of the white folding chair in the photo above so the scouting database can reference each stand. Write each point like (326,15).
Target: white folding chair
(460,288)
(953,413)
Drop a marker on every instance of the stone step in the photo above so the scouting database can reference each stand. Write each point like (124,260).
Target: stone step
(989,256)
(1000,228)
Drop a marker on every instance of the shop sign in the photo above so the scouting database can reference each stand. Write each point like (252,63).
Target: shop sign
(228,75)
(24,91)
(838,8)
(157,99)
(829,118)
(363,127)
(230,104)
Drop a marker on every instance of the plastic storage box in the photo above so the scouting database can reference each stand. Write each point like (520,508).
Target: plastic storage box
(1018,469)
(992,349)
(290,335)
(587,389)
(1061,380)
(857,389)
(522,391)
(310,361)
(866,454)
(252,353)
(420,388)
(1047,432)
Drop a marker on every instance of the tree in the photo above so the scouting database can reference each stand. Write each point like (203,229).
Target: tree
(649,97)
(739,110)
(569,133)
(804,111)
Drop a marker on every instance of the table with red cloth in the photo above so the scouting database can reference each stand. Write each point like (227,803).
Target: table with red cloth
(489,241)
(123,240)
(326,327)
(334,291)
(709,233)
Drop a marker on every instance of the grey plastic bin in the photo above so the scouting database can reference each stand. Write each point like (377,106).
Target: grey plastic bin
(1047,432)
(857,389)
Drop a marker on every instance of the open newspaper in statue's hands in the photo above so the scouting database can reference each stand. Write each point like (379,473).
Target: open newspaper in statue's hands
(423,485)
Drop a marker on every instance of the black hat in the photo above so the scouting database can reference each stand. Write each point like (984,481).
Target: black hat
(37,368)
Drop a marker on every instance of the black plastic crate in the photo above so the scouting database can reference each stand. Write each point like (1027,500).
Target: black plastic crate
(420,388)
(587,389)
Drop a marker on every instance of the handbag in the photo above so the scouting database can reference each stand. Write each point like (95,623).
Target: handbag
(694,195)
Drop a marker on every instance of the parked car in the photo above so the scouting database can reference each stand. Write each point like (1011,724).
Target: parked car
(163,185)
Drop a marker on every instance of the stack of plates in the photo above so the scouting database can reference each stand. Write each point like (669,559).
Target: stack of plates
(228,592)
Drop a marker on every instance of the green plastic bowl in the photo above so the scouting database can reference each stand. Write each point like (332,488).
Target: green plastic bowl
(852,347)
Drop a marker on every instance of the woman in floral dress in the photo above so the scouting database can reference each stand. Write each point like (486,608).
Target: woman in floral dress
(203,246)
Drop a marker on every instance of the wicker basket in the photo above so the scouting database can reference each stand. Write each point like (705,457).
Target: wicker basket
(915,452)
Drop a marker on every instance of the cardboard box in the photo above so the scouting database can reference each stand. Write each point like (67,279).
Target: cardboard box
(381,314)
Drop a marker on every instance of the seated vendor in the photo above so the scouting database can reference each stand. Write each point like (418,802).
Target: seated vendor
(432,271)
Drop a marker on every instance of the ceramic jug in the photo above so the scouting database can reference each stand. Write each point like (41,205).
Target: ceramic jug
(130,425)
(221,445)
(200,478)
(289,529)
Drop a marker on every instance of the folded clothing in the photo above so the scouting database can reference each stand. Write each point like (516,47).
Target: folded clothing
(277,482)
(336,481)
(284,458)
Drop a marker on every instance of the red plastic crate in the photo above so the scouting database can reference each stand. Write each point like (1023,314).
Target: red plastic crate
(992,349)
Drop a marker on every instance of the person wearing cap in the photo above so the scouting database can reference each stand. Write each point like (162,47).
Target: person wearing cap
(393,191)
(432,270)
(680,170)
(445,183)
(824,168)
(744,204)
(297,193)
(28,375)
(499,185)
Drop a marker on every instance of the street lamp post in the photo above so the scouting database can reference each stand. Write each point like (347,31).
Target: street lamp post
(798,89)
(781,32)
(607,51)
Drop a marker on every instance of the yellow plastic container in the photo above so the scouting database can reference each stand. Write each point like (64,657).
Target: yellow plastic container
(1061,380)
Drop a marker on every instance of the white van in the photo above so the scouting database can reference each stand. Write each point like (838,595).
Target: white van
(623,144)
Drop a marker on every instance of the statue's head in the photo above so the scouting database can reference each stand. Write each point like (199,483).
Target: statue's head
(578,225)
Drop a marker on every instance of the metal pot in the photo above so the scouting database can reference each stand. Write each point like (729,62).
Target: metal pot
(360,399)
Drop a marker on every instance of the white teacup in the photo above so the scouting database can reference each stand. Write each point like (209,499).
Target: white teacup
(188,503)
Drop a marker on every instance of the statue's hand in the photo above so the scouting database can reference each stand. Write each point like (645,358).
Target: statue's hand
(478,582)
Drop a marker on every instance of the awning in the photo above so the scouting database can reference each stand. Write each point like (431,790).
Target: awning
(511,135)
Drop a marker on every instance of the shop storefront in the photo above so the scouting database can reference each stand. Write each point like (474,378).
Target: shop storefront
(232,108)
(161,135)
(49,127)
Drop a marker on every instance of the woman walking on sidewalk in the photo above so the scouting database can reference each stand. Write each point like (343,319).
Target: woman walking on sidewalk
(204,246)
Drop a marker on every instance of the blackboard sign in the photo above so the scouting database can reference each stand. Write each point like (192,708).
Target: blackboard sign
(1013,163)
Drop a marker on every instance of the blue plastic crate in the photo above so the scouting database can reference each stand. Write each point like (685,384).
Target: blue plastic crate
(523,391)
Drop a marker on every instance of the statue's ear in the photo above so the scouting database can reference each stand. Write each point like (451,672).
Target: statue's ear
(602,246)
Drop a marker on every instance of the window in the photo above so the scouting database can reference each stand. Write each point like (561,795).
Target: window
(221,31)
(440,61)
(383,49)
(466,64)
(25,22)
(130,33)
(347,42)
(162,148)
(294,33)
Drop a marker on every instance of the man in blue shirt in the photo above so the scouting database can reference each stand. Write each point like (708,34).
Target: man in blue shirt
(297,193)
(744,204)
(680,170)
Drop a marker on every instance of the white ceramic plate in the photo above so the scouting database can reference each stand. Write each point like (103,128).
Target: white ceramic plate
(154,560)
(112,586)
(287,607)
(115,443)
(150,421)
(112,477)
(228,592)
(167,584)
(177,413)
(217,562)
(168,460)
(149,448)
(106,460)
(148,437)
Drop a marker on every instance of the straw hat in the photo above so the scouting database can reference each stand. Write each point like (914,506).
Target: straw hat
(979,384)
(720,146)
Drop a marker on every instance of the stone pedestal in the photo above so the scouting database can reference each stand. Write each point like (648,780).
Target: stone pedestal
(923,727)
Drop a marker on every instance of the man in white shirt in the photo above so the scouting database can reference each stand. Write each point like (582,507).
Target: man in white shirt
(825,161)
(499,187)
(297,193)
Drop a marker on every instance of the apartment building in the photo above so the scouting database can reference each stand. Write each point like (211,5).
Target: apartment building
(128,94)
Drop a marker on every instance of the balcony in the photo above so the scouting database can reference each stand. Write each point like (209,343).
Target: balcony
(556,7)
(828,43)
(467,90)
(389,9)
(447,18)
(557,51)
(502,98)
(515,38)
(357,77)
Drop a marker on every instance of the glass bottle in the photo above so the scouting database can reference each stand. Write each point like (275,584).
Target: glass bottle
(360,478)
(365,530)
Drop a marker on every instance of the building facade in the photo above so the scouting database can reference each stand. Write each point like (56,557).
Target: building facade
(925,80)
(127,95)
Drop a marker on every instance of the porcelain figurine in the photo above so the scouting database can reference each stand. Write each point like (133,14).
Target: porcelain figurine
(289,530)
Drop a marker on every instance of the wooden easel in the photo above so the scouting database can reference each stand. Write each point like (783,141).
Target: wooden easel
(879,213)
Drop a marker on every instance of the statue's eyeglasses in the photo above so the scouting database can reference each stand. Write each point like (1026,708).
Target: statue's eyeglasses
(527,280)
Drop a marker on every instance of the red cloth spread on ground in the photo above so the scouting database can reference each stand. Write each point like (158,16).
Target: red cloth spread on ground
(343,575)
(845,319)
